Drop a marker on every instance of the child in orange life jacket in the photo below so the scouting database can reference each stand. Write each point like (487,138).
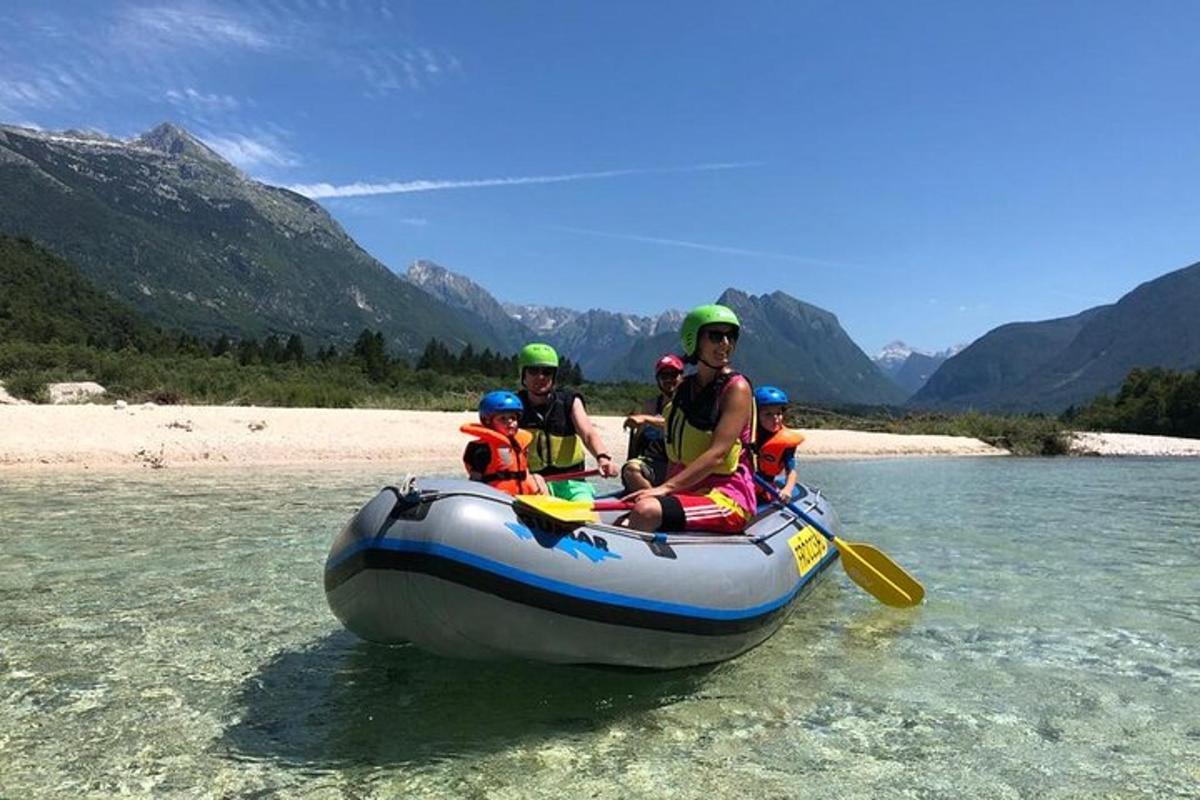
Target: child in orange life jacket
(776,443)
(498,456)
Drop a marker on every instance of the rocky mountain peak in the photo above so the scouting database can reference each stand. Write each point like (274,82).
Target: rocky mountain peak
(540,319)
(438,280)
(422,270)
(669,321)
(459,291)
(894,353)
(172,140)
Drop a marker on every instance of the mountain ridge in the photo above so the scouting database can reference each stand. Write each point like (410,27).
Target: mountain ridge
(1053,364)
(191,242)
(164,224)
(782,332)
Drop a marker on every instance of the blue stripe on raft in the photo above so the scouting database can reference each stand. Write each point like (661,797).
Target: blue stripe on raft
(573,590)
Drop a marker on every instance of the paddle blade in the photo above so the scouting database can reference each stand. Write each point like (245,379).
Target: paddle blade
(883,578)
(572,512)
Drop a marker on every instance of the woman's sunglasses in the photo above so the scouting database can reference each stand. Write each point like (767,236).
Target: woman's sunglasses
(541,371)
(717,336)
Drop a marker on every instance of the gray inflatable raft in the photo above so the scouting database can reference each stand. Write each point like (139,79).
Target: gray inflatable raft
(454,568)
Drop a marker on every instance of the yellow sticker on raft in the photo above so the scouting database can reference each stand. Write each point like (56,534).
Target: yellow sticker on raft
(809,547)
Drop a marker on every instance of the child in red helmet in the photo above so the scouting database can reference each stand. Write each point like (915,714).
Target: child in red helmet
(647,464)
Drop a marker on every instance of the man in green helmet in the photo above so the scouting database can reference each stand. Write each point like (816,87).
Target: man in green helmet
(559,423)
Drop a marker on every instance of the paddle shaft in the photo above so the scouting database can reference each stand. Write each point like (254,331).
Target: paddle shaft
(867,566)
(792,507)
(612,505)
(570,476)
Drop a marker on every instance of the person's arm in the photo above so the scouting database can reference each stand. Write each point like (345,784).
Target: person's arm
(735,414)
(591,439)
(792,476)
(634,421)
(476,458)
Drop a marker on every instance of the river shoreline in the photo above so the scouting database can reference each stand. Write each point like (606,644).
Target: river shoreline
(82,437)
(94,436)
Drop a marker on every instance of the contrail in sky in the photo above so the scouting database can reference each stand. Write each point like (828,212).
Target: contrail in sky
(317,191)
(710,248)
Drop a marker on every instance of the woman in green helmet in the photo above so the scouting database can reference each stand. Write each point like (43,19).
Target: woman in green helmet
(710,430)
(559,423)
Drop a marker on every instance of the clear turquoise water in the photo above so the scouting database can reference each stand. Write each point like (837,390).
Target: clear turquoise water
(166,634)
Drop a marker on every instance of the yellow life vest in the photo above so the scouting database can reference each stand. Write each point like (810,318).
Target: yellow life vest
(692,416)
(556,446)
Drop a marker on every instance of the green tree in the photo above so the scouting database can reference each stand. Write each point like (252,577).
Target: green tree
(248,352)
(371,354)
(294,351)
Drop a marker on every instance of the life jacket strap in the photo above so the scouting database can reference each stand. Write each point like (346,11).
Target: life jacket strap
(505,475)
(549,471)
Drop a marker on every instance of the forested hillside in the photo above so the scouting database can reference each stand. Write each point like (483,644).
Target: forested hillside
(44,299)
(173,230)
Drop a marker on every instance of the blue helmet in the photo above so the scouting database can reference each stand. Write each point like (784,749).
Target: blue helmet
(498,402)
(770,396)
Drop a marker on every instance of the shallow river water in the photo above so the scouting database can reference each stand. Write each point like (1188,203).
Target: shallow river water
(165,634)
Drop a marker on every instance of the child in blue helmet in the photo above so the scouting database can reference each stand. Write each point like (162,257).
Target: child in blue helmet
(776,443)
(499,454)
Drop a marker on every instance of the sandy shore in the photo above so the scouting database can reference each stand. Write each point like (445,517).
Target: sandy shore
(147,436)
(1132,444)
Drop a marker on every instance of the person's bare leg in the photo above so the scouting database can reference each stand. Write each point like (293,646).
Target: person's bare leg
(632,477)
(646,515)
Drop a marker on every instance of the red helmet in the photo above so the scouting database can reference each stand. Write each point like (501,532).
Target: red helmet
(669,361)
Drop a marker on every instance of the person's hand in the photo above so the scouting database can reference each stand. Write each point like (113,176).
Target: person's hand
(653,491)
(634,421)
(607,468)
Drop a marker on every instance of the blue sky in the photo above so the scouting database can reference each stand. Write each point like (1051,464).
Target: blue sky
(924,170)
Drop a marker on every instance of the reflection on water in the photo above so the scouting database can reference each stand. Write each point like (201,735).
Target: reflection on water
(166,634)
(340,702)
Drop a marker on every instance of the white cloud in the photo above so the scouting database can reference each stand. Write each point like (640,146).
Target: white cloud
(388,70)
(150,48)
(262,150)
(36,93)
(195,26)
(192,100)
(322,190)
(419,222)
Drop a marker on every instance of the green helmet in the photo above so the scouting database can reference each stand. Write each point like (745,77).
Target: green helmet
(536,354)
(698,317)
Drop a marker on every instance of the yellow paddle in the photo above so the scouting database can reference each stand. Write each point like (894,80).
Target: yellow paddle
(569,511)
(573,512)
(866,565)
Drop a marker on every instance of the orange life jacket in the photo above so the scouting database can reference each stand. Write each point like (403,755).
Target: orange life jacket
(508,469)
(773,451)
